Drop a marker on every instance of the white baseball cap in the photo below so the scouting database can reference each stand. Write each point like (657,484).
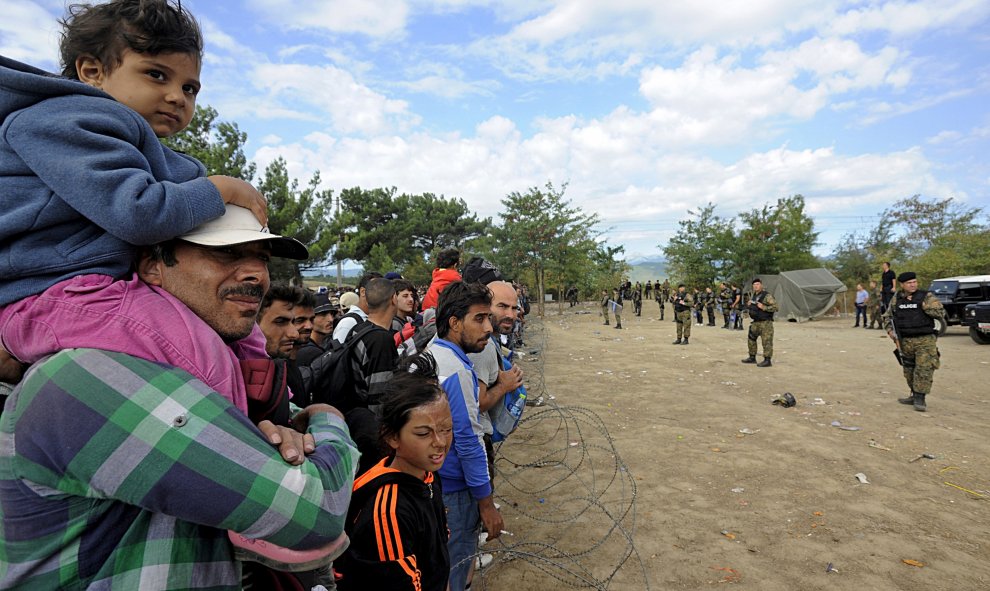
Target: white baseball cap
(239,226)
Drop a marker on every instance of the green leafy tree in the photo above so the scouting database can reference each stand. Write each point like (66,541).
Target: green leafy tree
(303,214)
(698,253)
(379,261)
(775,238)
(435,223)
(543,235)
(923,223)
(939,237)
(607,270)
(852,261)
(410,228)
(219,145)
(370,217)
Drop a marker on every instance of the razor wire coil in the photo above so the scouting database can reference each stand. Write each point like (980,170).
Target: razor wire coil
(561,473)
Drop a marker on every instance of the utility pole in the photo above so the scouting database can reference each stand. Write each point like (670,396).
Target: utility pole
(340,239)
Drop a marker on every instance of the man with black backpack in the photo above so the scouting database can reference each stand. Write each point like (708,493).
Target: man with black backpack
(357,313)
(352,375)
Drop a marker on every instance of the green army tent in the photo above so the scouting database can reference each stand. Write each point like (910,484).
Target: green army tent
(804,294)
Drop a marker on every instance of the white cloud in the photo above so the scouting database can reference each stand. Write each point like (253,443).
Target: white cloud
(383,19)
(29,33)
(709,97)
(639,187)
(641,23)
(444,80)
(842,65)
(313,92)
(907,18)
(944,137)
(882,110)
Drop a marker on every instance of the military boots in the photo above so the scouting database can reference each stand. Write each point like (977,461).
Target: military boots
(919,402)
(750,359)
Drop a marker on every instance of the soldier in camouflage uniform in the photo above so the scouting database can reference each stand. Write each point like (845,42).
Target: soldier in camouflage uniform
(699,303)
(617,306)
(761,309)
(710,305)
(605,305)
(662,294)
(737,306)
(910,321)
(725,300)
(873,305)
(637,299)
(683,303)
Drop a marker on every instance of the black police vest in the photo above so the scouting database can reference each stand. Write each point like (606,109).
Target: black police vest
(910,319)
(678,306)
(756,314)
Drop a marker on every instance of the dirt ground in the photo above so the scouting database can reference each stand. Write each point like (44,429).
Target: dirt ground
(698,503)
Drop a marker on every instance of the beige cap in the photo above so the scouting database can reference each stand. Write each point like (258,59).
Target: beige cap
(348,299)
(239,226)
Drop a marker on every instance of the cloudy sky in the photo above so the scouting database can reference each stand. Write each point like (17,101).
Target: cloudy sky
(645,108)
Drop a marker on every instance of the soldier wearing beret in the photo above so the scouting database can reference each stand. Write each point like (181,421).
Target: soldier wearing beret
(910,323)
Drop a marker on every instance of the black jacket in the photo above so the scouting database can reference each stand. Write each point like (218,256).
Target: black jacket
(398,531)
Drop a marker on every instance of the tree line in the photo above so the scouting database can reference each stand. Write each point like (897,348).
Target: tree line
(933,237)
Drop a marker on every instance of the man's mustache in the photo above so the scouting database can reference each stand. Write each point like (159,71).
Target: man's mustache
(253,291)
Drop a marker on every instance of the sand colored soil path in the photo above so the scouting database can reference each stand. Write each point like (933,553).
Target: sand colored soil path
(727,489)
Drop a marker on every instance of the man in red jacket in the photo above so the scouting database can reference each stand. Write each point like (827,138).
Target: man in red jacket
(445,273)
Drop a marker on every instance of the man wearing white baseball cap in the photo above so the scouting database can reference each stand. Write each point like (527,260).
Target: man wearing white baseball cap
(139,455)
(172,322)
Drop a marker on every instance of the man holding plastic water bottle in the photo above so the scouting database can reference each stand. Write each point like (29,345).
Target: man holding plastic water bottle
(464,326)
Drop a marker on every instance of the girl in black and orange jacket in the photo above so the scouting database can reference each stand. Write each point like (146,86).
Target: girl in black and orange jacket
(396,520)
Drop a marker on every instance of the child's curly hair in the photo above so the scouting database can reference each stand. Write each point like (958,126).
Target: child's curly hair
(104,31)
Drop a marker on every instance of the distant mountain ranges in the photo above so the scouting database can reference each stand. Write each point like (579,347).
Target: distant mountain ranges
(647,269)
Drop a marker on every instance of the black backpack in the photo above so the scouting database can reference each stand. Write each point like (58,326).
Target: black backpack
(330,377)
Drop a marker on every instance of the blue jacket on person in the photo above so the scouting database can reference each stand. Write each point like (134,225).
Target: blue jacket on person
(466,464)
(83,179)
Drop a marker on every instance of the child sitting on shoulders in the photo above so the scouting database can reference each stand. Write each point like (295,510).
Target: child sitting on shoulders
(85,180)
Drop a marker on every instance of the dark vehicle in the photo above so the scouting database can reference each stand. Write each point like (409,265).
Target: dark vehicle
(977,318)
(956,293)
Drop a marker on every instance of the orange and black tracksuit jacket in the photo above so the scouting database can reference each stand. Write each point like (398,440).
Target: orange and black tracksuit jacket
(398,531)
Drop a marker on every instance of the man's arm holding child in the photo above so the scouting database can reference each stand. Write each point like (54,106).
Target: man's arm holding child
(156,438)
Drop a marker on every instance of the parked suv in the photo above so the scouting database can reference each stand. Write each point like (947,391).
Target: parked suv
(956,293)
(977,318)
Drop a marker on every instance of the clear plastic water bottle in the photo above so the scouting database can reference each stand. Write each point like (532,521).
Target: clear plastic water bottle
(518,405)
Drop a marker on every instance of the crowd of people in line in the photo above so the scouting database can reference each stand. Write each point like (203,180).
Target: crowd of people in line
(174,419)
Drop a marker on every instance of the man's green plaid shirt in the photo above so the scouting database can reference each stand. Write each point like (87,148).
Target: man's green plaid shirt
(119,473)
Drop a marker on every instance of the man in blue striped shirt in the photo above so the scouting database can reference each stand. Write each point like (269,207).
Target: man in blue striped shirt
(464,326)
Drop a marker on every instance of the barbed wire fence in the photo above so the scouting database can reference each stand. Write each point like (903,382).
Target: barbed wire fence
(567,498)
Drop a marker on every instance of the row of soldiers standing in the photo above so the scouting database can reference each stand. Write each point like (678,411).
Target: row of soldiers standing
(729,300)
